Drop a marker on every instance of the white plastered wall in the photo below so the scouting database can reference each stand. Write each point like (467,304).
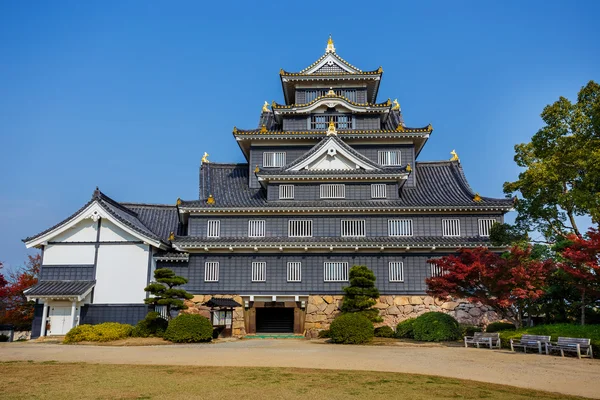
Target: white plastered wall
(109,232)
(76,254)
(84,231)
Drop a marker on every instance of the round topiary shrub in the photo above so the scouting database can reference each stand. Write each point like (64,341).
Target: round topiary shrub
(351,328)
(105,332)
(4,338)
(189,328)
(500,326)
(469,330)
(152,325)
(404,330)
(324,334)
(384,331)
(436,327)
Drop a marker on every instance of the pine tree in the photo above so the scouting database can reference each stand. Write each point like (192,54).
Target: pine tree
(361,295)
(164,291)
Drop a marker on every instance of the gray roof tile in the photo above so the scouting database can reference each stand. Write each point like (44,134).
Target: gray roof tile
(60,288)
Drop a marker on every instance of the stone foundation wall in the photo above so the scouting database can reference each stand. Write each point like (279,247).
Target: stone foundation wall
(195,306)
(321,310)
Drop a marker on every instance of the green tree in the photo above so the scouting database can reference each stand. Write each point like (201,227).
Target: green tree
(361,295)
(561,177)
(165,292)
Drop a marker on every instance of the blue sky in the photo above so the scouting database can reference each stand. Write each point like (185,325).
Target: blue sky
(129,95)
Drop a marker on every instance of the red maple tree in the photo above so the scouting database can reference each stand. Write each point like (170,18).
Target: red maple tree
(507,283)
(14,307)
(582,262)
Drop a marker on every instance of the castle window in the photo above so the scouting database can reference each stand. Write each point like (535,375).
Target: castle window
(259,271)
(294,272)
(211,272)
(256,228)
(300,228)
(353,228)
(451,227)
(321,121)
(389,157)
(286,192)
(436,270)
(333,191)
(273,159)
(312,94)
(396,272)
(485,225)
(378,191)
(213,229)
(400,227)
(335,272)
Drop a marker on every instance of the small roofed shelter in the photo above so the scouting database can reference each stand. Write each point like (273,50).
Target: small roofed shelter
(221,314)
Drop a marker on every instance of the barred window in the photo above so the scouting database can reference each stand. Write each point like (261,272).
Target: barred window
(300,228)
(485,225)
(335,271)
(273,159)
(333,191)
(211,272)
(353,228)
(389,157)
(378,190)
(400,227)
(312,94)
(286,192)
(294,271)
(259,271)
(436,270)
(321,121)
(256,228)
(451,227)
(396,272)
(213,228)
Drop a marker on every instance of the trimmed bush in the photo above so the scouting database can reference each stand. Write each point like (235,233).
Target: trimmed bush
(4,338)
(499,326)
(351,328)
(152,325)
(105,332)
(384,331)
(325,333)
(469,330)
(556,330)
(189,328)
(436,327)
(405,329)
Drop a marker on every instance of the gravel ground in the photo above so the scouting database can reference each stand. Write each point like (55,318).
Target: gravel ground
(533,371)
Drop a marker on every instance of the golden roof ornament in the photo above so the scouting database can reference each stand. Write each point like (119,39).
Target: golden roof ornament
(330,92)
(454,156)
(178,202)
(205,158)
(400,127)
(256,170)
(266,107)
(396,105)
(429,128)
(408,168)
(171,236)
(477,198)
(379,70)
(389,102)
(263,129)
(234,129)
(210,200)
(330,47)
(331,131)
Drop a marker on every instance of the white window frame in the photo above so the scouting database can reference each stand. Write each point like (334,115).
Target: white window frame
(211,271)
(332,191)
(353,228)
(389,157)
(485,226)
(286,192)
(294,271)
(396,271)
(273,159)
(451,227)
(400,227)
(256,228)
(378,191)
(213,228)
(339,273)
(259,271)
(300,228)
(436,270)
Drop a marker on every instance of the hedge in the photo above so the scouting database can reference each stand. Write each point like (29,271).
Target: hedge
(499,326)
(405,329)
(469,330)
(351,328)
(436,327)
(189,328)
(152,325)
(556,330)
(105,332)
(385,332)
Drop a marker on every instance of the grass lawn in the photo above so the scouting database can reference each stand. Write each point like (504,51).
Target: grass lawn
(51,380)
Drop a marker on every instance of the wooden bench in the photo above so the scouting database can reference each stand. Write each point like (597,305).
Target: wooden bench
(488,339)
(581,346)
(530,342)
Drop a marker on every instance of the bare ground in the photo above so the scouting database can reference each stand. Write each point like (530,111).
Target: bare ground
(532,371)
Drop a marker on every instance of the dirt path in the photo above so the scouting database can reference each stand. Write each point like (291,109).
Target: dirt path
(554,374)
